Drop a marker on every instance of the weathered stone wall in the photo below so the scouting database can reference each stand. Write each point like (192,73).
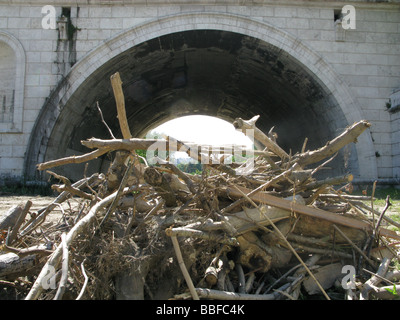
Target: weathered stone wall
(366,60)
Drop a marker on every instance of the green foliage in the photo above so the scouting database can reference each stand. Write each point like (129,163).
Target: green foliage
(192,168)
(141,153)
(150,135)
(394,292)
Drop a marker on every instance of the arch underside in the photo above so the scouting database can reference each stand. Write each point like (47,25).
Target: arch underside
(210,72)
(213,64)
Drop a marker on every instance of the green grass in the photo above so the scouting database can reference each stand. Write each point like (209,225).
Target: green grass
(381,194)
(380,201)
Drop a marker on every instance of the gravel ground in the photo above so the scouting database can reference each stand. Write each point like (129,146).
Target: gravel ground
(9,201)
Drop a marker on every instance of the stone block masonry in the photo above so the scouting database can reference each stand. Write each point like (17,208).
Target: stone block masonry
(366,59)
(395,124)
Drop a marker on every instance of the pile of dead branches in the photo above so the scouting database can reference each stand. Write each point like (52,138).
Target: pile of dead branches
(144,231)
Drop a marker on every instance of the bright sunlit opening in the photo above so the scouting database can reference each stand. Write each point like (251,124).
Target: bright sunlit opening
(204,130)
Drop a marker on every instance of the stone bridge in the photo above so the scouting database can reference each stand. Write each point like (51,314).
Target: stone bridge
(309,68)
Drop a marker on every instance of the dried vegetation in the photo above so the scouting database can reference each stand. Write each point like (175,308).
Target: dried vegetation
(154,232)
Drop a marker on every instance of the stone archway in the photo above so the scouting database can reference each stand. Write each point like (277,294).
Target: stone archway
(175,66)
(13,123)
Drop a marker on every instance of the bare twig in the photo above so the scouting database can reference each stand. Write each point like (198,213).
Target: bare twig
(73,159)
(183,268)
(376,227)
(228,295)
(119,193)
(64,275)
(242,280)
(56,256)
(201,234)
(372,204)
(372,263)
(104,122)
(85,283)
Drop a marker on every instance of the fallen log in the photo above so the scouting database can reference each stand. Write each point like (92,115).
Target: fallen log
(250,219)
(187,232)
(386,292)
(197,152)
(140,204)
(262,197)
(11,265)
(19,213)
(10,218)
(326,275)
(72,159)
(329,182)
(226,295)
(348,136)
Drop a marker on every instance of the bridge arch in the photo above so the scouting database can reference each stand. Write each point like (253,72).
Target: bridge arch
(15,90)
(216,64)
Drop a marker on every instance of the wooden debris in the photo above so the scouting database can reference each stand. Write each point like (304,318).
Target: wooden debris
(326,276)
(143,231)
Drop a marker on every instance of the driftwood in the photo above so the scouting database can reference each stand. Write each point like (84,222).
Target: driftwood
(14,217)
(326,276)
(244,125)
(348,136)
(150,231)
(57,255)
(250,219)
(312,212)
(12,265)
(371,284)
(116,84)
(162,185)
